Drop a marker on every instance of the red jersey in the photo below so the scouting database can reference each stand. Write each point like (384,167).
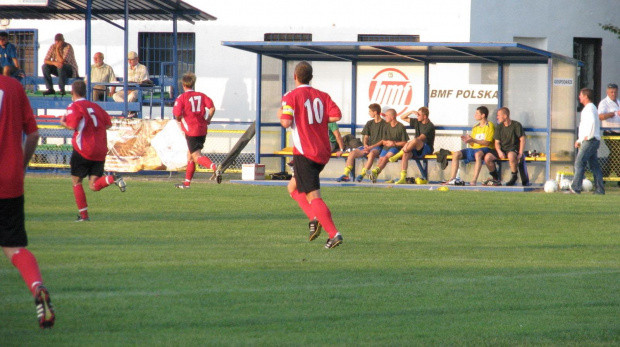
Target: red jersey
(310,110)
(16,118)
(90,122)
(192,106)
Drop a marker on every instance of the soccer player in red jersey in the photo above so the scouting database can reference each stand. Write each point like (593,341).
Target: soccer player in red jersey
(90,146)
(307,111)
(189,110)
(17,119)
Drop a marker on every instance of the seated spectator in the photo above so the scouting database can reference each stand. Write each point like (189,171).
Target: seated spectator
(480,143)
(509,143)
(394,138)
(372,132)
(335,138)
(138,73)
(8,55)
(59,61)
(101,73)
(421,145)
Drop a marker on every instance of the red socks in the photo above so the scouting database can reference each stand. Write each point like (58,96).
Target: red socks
(303,203)
(324,215)
(80,200)
(103,182)
(189,172)
(27,265)
(206,162)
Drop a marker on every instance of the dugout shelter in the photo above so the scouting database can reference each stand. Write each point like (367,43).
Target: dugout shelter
(452,79)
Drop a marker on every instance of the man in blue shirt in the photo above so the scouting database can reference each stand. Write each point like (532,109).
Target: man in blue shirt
(8,55)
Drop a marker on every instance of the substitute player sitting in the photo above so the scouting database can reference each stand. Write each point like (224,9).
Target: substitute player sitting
(393,139)
(189,110)
(480,143)
(373,130)
(90,146)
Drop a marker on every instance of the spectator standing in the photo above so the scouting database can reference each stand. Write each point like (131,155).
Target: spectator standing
(17,119)
(609,114)
(307,111)
(59,61)
(587,144)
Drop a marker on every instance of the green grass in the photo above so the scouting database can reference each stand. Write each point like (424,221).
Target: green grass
(231,265)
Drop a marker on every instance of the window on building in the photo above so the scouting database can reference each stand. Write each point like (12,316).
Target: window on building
(155,51)
(25,42)
(387,38)
(288,37)
(588,50)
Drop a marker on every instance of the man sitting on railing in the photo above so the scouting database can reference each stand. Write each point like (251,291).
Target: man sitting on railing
(59,61)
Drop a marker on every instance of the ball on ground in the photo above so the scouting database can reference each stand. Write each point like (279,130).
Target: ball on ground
(551,186)
(586,185)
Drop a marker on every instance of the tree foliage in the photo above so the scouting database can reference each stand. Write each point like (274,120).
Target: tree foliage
(611,28)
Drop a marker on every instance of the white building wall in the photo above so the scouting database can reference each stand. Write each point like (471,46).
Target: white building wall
(229,75)
(555,23)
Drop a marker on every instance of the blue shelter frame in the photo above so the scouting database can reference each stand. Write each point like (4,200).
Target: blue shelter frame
(403,52)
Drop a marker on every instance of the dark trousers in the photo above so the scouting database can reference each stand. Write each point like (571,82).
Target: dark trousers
(65,72)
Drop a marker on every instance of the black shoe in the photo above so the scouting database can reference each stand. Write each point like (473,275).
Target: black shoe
(80,219)
(45,309)
(525,184)
(315,229)
(335,242)
(218,176)
(49,92)
(62,93)
(513,180)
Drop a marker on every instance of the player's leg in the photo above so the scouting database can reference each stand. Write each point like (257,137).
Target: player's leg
(302,173)
(13,240)
(346,175)
(374,153)
(513,160)
(189,172)
(307,177)
(96,183)
(404,165)
(456,159)
(489,160)
(80,168)
(479,155)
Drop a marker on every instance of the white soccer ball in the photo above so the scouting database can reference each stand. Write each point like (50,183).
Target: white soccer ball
(587,185)
(551,186)
(565,184)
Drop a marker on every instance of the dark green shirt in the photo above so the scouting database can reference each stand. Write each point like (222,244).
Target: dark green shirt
(427,129)
(374,130)
(508,136)
(396,133)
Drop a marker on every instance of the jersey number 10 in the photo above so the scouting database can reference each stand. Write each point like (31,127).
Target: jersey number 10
(314,110)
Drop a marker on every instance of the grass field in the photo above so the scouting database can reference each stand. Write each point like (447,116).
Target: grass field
(231,265)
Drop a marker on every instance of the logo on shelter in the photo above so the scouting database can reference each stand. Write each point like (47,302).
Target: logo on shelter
(391,87)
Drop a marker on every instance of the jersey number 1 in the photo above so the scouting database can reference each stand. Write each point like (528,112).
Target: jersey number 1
(314,110)
(91,113)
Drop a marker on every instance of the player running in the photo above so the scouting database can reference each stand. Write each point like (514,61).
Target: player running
(90,146)
(307,111)
(17,119)
(189,110)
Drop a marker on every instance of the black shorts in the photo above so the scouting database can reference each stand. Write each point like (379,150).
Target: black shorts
(307,174)
(195,143)
(82,167)
(12,230)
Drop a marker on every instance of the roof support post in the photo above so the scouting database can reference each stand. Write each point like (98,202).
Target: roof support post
(259,92)
(175,58)
(284,73)
(426,83)
(125,67)
(500,85)
(88,42)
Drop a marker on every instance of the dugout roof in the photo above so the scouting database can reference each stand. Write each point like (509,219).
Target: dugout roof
(399,52)
(107,10)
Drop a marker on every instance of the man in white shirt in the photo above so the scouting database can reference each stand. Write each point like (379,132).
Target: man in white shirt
(138,73)
(609,114)
(588,142)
